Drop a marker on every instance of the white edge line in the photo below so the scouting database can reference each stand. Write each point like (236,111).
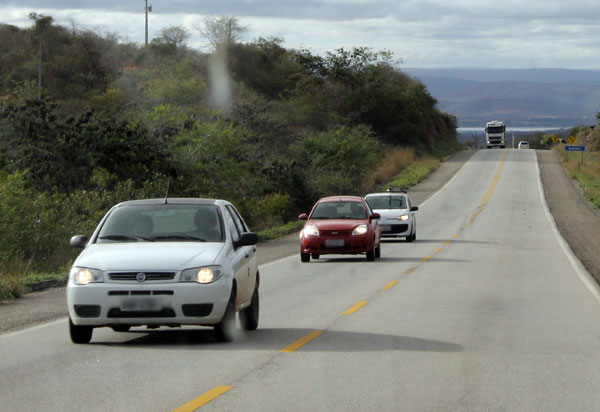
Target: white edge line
(579,268)
(274,262)
(445,184)
(36,327)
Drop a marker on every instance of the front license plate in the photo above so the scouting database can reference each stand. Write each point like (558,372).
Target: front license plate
(140,304)
(385,228)
(334,242)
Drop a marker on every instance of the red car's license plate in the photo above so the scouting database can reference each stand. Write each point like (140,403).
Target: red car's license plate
(334,242)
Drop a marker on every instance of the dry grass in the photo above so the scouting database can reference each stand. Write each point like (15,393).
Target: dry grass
(12,278)
(392,165)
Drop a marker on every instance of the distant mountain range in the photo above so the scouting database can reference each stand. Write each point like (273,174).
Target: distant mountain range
(519,97)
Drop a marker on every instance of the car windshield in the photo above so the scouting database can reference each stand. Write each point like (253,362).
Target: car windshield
(339,210)
(495,129)
(164,223)
(387,202)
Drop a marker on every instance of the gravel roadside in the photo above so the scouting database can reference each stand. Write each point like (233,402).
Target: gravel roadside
(578,227)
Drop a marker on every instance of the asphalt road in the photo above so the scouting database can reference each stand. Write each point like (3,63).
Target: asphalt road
(486,311)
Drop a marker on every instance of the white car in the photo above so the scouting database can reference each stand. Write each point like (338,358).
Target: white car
(523,145)
(397,214)
(165,262)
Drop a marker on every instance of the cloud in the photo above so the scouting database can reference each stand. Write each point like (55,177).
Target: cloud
(425,33)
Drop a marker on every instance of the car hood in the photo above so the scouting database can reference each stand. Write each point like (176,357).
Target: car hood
(390,213)
(338,224)
(146,256)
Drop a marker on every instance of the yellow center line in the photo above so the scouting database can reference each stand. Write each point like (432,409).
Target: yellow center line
(389,285)
(447,242)
(203,399)
(356,307)
(410,270)
(302,341)
(455,235)
(426,258)
(438,250)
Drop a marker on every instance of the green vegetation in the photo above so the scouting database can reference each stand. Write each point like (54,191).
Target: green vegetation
(584,166)
(415,172)
(268,128)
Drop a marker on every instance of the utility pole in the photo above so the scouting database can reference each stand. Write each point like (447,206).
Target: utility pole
(147,10)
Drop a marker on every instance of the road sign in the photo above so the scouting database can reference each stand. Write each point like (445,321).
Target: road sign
(571,139)
(575,148)
(555,138)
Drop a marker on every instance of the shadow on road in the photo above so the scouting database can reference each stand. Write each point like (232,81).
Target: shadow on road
(277,339)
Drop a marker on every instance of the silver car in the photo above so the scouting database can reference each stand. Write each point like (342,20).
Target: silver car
(165,262)
(397,213)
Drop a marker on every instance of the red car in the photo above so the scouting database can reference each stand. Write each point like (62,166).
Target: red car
(340,225)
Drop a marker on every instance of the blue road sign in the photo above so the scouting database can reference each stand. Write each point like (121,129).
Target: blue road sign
(575,148)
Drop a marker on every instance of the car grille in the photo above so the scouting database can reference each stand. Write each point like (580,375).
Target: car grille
(335,232)
(197,310)
(139,292)
(396,229)
(149,276)
(118,313)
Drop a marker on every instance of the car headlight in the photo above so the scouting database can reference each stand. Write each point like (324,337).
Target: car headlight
(403,218)
(360,230)
(83,276)
(203,274)
(311,230)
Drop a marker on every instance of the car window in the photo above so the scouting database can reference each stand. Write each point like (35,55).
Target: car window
(339,210)
(162,223)
(238,227)
(387,202)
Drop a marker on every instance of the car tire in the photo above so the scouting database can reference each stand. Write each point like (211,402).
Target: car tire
(121,328)
(378,251)
(305,257)
(371,253)
(249,315)
(315,256)
(80,334)
(223,330)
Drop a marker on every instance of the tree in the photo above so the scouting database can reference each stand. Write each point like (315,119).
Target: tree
(221,31)
(175,36)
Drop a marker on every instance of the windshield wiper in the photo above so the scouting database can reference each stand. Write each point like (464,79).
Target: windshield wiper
(178,237)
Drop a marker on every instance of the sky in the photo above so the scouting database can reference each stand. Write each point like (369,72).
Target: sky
(420,33)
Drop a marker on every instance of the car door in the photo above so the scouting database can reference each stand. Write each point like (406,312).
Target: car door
(245,270)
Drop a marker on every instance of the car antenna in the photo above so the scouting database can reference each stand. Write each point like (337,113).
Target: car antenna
(167,194)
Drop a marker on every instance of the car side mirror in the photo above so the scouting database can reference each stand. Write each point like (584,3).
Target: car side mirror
(303,216)
(79,241)
(375,216)
(247,239)
(414,208)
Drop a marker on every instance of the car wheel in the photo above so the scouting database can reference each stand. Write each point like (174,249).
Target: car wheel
(371,253)
(249,315)
(224,330)
(80,334)
(378,251)
(121,328)
(315,256)
(305,257)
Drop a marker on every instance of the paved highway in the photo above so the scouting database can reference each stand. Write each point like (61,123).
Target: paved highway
(486,311)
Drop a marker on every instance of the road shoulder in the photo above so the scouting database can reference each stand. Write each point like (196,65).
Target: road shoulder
(575,217)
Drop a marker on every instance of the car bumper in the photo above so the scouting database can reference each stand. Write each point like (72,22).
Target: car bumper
(131,303)
(395,229)
(324,245)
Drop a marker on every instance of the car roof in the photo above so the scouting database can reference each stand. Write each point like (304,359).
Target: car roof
(171,201)
(387,194)
(341,199)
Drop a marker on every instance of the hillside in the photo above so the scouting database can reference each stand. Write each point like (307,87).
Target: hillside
(520,97)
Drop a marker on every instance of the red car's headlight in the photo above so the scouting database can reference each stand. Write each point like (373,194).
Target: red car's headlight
(360,230)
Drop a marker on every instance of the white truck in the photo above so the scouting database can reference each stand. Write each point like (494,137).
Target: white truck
(495,134)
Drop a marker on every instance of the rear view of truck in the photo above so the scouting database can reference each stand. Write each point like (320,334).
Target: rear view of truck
(495,134)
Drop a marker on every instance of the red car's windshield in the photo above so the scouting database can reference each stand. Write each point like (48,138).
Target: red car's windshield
(339,210)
